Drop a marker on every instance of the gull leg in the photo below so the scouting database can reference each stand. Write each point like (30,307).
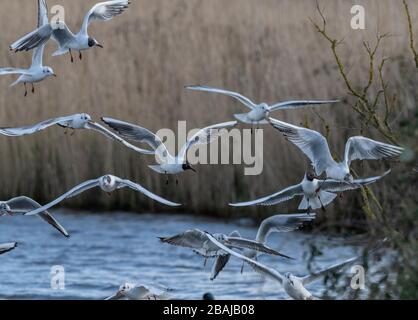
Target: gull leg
(80,55)
(323,207)
(72,132)
(177,181)
(26,89)
(206,261)
(166,182)
(33,88)
(242,267)
(71,55)
(309,205)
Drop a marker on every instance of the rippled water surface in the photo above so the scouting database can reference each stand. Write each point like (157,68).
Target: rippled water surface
(106,250)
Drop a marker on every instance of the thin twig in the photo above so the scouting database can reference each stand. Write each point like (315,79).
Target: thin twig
(411,33)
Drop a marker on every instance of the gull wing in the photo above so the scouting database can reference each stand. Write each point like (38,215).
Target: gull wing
(42,21)
(315,276)
(193,239)
(109,134)
(136,133)
(244,100)
(42,13)
(118,295)
(299,104)
(206,136)
(139,188)
(281,196)
(361,148)
(21,205)
(72,193)
(38,37)
(242,243)
(27,130)
(258,267)
(311,143)
(222,260)
(6,247)
(104,11)
(341,186)
(283,223)
(4,71)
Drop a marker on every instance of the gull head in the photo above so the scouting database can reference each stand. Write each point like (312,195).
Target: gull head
(108,183)
(289,278)
(349,178)
(94,43)
(222,238)
(5,209)
(187,166)
(310,176)
(48,71)
(264,107)
(126,288)
(84,117)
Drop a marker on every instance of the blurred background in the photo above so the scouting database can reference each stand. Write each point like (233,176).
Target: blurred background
(267,50)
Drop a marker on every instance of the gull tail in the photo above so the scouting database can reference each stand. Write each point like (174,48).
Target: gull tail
(157,168)
(327,197)
(243,117)
(322,200)
(15,83)
(60,52)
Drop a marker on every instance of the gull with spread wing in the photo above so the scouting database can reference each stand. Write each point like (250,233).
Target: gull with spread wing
(315,146)
(130,291)
(22,205)
(316,193)
(66,40)
(37,72)
(169,164)
(74,122)
(6,247)
(259,112)
(108,184)
(278,223)
(198,241)
(294,286)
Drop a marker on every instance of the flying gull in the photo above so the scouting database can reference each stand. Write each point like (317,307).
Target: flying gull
(315,147)
(108,184)
(278,223)
(198,241)
(74,122)
(259,112)
(66,40)
(169,164)
(37,72)
(316,193)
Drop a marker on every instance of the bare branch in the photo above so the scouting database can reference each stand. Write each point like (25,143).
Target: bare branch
(411,33)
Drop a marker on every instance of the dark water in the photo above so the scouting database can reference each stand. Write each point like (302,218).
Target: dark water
(106,250)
